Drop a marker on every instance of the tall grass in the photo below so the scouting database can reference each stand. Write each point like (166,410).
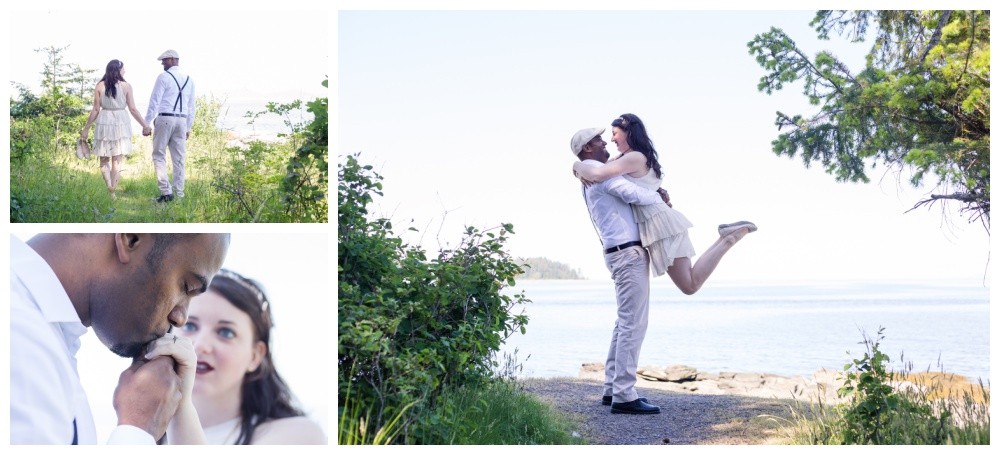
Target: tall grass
(56,187)
(895,408)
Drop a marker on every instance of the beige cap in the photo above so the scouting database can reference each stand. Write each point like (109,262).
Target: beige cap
(169,53)
(582,137)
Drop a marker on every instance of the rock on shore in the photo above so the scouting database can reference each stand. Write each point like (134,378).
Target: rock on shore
(821,386)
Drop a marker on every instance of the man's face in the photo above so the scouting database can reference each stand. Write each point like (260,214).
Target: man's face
(145,300)
(168,62)
(597,149)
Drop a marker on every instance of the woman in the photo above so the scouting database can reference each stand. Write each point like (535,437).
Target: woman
(233,384)
(663,230)
(112,127)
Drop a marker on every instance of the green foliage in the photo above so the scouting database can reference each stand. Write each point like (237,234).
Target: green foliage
(246,183)
(873,402)
(499,413)
(409,327)
(883,407)
(305,184)
(921,103)
(539,268)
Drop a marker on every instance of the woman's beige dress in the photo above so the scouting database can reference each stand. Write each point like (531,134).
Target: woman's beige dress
(113,127)
(663,230)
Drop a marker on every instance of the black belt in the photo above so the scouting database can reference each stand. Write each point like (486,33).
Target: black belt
(172,115)
(623,246)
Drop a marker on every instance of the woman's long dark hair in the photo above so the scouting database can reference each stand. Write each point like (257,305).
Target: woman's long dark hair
(264,395)
(638,140)
(112,74)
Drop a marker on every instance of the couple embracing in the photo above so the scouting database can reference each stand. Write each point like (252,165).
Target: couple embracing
(172,105)
(639,230)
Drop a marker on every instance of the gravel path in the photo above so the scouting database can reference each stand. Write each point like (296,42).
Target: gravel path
(685,418)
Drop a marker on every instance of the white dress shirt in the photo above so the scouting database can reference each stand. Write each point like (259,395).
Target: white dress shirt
(608,203)
(164,96)
(46,397)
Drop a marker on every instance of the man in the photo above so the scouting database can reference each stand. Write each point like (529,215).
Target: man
(172,104)
(608,203)
(131,288)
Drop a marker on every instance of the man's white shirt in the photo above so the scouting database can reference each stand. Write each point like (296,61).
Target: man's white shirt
(46,396)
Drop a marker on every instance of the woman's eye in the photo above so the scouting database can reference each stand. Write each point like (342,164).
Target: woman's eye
(227,333)
(189,327)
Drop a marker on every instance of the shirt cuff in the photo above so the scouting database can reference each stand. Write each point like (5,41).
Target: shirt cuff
(130,435)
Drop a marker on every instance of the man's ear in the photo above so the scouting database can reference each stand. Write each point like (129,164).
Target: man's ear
(126,245)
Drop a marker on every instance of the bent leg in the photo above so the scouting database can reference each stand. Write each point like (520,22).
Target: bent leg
(689,279)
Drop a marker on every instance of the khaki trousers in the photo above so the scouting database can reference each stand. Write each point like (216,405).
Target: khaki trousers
(170,132)
(630,271)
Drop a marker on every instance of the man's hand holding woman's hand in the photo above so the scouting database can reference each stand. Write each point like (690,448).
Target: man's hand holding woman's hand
(157,385)
(148,395)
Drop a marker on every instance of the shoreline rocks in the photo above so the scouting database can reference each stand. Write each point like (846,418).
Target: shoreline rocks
(820,387)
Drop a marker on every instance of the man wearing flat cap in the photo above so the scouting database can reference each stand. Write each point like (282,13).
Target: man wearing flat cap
(172,105)
(608,203)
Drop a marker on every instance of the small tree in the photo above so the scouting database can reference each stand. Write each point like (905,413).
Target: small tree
(64,94)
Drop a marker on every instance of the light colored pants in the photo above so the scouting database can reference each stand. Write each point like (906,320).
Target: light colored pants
(172,132)
(630,271)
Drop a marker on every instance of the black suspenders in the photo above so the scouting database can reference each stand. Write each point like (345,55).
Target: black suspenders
(180,91)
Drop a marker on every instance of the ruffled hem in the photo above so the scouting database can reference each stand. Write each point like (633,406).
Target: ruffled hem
(659,223)
(113,147)
(663,252)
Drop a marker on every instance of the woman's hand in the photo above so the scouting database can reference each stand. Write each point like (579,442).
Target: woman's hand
(182,350)
(83,134)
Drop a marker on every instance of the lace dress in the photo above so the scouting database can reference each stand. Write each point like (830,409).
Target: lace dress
(663,230)
(113,127)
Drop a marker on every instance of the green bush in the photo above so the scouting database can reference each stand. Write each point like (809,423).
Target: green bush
(307,172)
(410,327)
(880,409)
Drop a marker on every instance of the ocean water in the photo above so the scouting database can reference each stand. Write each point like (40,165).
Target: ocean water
(790,330)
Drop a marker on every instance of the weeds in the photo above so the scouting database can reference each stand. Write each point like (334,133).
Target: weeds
(885,407)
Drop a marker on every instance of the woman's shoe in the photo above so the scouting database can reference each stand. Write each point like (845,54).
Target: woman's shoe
(727,229)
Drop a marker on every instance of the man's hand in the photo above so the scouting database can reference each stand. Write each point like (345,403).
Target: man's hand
(147,395)
(147,131)
(665,196)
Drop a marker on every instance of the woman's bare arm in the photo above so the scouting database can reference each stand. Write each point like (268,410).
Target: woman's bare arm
(98,93)
(633,162)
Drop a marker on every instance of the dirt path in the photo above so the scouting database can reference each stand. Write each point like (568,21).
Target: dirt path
(685,418)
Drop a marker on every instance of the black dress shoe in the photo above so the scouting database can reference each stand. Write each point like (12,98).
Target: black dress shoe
(636,406)
(607,400)
(165,198)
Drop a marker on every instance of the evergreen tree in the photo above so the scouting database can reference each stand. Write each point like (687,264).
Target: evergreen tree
(922,102)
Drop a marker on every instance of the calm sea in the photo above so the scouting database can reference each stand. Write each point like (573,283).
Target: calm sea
(790,330)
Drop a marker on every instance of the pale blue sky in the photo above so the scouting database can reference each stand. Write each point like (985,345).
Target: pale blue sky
(470,113)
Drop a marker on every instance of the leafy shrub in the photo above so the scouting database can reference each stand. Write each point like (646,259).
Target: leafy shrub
(410,327)
(885,407)
(306,181)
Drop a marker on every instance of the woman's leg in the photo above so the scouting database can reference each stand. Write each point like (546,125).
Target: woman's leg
(106,172)
(116,170)
(690,279)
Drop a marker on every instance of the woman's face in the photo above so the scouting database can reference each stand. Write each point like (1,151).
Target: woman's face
(620,138)
(225,343)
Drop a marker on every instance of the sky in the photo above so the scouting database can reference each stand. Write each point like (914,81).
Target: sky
(468,115)
(246,57)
